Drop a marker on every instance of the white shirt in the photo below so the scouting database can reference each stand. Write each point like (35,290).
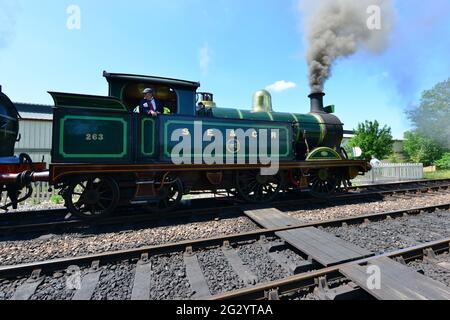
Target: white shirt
(153,104)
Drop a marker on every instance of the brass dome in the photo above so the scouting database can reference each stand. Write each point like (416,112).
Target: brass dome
(262,101)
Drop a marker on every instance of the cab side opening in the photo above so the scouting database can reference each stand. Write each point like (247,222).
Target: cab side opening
(132,95)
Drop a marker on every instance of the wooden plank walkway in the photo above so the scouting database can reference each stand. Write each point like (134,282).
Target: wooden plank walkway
(320,246)
(271,218)
(323,247)
(398,282)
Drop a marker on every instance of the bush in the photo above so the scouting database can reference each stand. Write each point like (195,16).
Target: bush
(395,158)
(444,162)
(56,199)
(373,140)
(421,149)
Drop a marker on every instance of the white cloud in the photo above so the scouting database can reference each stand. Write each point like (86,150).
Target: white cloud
(204,59)
(281,85)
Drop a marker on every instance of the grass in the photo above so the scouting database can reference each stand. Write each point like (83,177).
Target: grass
(57,199)
(441,174)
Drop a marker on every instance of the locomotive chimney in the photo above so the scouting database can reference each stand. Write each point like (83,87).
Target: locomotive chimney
(317,102)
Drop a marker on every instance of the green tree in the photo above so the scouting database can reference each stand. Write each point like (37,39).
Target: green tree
(432,117)
(444,162)
(373,140)
(421,149)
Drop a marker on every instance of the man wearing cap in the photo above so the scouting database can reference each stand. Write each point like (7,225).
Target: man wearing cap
(149,105)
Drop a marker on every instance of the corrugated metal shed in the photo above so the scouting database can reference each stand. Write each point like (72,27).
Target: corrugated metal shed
(35,131)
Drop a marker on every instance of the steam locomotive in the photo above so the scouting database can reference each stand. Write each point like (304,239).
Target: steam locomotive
(105,156)
(16,173)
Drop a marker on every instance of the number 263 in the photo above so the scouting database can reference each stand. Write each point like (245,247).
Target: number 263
(94,137)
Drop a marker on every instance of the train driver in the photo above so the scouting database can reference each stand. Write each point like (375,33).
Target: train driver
(149,105)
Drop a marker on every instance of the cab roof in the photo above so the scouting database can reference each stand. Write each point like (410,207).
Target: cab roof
(111,77)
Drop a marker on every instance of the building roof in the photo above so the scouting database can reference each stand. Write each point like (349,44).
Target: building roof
(32,111)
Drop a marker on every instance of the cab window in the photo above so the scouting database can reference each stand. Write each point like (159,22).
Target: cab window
(133,93)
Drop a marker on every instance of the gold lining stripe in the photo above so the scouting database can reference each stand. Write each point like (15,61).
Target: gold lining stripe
(323,128)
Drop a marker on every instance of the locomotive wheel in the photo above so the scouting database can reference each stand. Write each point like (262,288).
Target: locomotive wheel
(323,183)
(256,188)
(92,197)
(171,196)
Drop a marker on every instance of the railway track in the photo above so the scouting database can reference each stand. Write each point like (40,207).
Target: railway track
(189,269)
(55,220)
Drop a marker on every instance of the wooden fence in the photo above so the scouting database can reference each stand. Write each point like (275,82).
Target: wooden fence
(40,194)
(391,172)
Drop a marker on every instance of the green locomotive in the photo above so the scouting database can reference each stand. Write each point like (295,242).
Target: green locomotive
(104,155)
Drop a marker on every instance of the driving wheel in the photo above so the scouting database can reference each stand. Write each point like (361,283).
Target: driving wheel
(256,188)
(92,197)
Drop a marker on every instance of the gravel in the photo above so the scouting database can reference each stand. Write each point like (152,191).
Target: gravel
(7,288)
(116,282)
(168,278)
(387,236)
(343,210)
(433,271)
(55,288)
(70,245)
(218,273)
(261,264)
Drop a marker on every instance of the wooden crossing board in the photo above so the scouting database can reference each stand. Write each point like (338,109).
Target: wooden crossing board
(271,218)
(398,282)
(321,246)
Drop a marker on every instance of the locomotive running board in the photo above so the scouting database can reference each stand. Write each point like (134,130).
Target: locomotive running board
(58,171)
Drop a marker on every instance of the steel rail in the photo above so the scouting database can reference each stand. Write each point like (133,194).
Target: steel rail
(58,264)
(307,280)
(148,217)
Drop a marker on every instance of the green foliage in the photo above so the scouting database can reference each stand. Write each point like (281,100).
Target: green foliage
(57,199)
(432,117)
(441,174)
(421,149)
(373,140)
(395,158)
(444,162)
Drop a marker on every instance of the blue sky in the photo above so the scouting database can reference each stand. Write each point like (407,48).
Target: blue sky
(232,47)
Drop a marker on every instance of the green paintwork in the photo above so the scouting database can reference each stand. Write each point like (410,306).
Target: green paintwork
(170,124)
(322,154)
(312,124)
(93,137)
(330,109)
(148,137)
(77,101)
(131,138)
